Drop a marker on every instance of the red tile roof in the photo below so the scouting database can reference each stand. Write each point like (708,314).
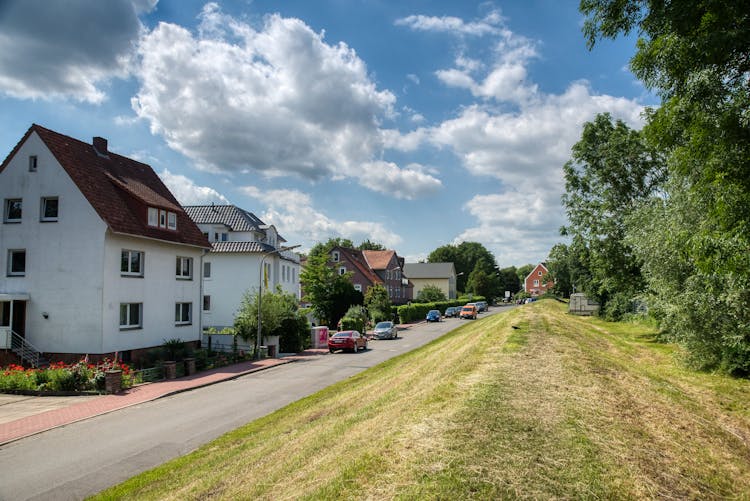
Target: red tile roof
(119,189)
(356,257)
(379,259)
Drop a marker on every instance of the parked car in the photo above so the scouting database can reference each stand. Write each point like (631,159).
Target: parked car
(481,306)
(385,330)
(452,311)
(433,316)
(347,340)
(469,311)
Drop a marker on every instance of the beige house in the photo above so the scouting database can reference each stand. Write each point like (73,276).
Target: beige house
(442,275)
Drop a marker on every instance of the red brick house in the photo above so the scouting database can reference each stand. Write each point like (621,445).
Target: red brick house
(535,282)
(373,267)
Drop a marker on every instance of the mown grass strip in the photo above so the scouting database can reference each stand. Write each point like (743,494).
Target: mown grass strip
(558,407)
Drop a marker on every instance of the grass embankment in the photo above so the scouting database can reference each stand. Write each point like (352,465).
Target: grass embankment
(533,403)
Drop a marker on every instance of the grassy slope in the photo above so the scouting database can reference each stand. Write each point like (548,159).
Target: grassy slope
(558,407)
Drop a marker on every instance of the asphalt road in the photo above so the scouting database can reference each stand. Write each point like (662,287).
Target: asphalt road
(84,458)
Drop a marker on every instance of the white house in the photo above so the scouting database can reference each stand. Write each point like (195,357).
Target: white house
(96,254)
(240,241)
(441,275)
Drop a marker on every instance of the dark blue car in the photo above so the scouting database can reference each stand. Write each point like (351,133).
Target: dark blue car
(433,316)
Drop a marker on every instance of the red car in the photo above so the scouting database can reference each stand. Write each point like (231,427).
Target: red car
(347,340)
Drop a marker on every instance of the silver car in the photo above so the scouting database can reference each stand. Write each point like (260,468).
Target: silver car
(385,330)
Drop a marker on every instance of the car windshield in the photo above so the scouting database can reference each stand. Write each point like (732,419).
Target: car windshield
(468,308)
(343,334)
(384,325)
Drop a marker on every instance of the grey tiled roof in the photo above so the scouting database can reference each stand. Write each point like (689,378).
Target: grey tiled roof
(228,247)
(429,270)
(230,215)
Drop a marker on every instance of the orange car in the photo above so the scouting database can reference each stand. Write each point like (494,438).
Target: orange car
(468,311)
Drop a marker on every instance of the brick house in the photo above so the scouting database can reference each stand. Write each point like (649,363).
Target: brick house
(535,282)
(373,267)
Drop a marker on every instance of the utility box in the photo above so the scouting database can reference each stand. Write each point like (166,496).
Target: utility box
(319,337)
(581,305)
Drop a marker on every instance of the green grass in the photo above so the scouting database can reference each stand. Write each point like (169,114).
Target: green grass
(557,407)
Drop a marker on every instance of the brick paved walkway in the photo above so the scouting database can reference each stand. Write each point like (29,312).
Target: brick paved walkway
(47,420)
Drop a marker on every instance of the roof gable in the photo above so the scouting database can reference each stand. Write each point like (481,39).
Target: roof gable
(356,258)
(535,270)
(429,270)
(379,259)
(119,189)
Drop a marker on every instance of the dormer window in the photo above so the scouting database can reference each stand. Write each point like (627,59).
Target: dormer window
(159,218)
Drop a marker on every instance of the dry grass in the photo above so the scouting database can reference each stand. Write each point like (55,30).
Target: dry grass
(558,407)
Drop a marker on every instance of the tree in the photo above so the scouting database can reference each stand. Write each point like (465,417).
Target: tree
(325,248)
(367,245)
(483,280)
(523,272)
(378,303)
(694,54)
(430,293)
(612,170)
(464,257)
(278,310)
(355,318)
(329,293)
(509,280)
(568,267)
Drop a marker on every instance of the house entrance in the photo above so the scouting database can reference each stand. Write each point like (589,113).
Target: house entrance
(12,317)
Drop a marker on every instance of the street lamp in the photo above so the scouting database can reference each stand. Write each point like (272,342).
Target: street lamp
(260,293)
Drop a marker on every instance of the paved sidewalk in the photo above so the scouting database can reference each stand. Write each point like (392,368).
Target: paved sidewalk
(90,407)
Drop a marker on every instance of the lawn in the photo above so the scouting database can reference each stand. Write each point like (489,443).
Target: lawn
(532,403)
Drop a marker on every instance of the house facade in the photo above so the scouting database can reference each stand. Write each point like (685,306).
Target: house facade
(535,282)
(371,268)
(97,256)
(441,275)
(240,241)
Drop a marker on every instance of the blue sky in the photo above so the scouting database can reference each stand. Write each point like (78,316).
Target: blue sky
(414,124)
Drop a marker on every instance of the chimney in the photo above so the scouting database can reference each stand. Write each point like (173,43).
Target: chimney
(100,145)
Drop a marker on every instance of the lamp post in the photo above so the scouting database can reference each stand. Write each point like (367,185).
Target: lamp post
(260,293)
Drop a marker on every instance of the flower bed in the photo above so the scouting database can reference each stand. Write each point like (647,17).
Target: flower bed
(59,377)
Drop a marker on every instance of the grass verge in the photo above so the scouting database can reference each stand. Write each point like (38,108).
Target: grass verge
(532,403)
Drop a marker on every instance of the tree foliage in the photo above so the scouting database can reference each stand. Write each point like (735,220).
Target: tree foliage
(430,293)
(695,255)
(465,258)
(368,245)
(329,293)
(280,316)
(378,303)
(612,170)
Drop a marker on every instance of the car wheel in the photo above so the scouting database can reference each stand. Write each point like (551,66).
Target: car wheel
(331,350)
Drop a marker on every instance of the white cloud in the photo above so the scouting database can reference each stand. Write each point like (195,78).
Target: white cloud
(278,100)
(486,26)
(187,192)
(52,50)
(295,216)
(408,183)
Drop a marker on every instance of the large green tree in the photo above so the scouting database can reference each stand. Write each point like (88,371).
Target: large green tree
(329,293)
(611,171)
(378,303)
(695,55)
(280,316)
(465,257)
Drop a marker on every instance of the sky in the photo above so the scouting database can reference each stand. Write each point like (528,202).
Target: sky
(414,124)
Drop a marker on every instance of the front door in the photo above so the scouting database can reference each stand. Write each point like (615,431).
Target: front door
(19,318)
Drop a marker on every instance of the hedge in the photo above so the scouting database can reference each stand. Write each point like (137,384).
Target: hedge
(417,311)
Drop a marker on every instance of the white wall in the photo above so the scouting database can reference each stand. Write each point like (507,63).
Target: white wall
(158,290)
(64,259)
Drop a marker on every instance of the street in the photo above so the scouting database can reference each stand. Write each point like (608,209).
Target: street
(83,458)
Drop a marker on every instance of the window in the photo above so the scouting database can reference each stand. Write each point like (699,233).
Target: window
(153,216)
(358,287)
(171,221)
(13,210)
(17,262)
(206,303)
(536,283)
(49,209)
(131,315)
(131,263)
(540,273)
(342,270)
(184,269)
(207,270)
(162,218)
(336,256)
(32,163)
(224,237)
(183,313)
